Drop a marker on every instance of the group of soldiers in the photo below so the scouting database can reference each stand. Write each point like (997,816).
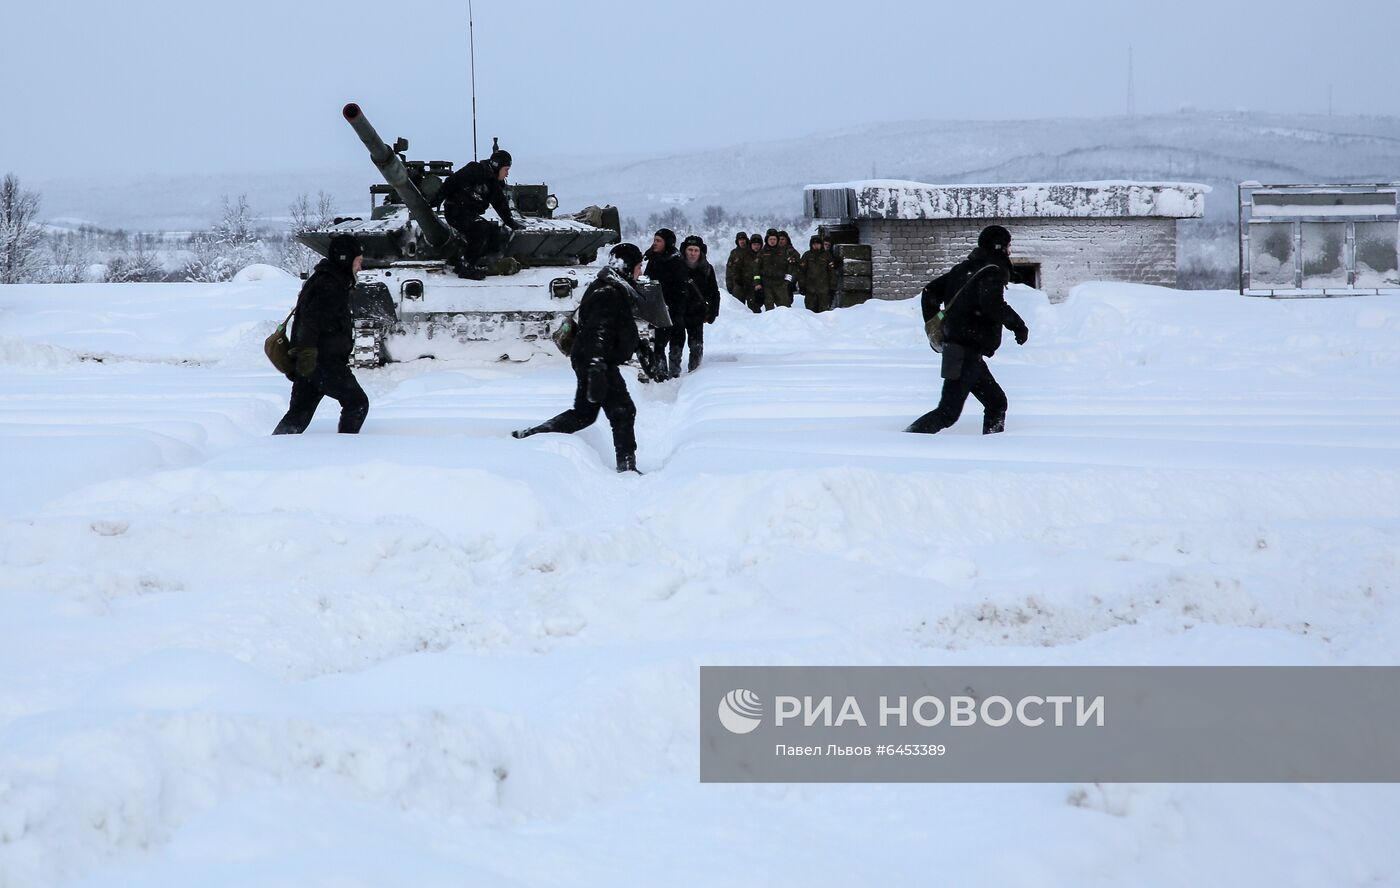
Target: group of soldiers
(767,271)
(964,312)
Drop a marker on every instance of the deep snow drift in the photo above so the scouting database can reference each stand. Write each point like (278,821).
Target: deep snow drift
(434,655)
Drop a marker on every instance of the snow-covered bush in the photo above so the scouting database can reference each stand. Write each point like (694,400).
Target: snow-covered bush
(233,243)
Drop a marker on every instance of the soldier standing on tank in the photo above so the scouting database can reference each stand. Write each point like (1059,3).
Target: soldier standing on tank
(733,267)
(323,336)
(818,275)
(775,273)
(465,196)
(703,305)
(665,266)
(606,339)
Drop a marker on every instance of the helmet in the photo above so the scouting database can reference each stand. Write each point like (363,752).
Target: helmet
(994,237)
(624,257)
(344,248)
(501,158)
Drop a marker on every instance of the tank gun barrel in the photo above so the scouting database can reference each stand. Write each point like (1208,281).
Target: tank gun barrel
(394,172)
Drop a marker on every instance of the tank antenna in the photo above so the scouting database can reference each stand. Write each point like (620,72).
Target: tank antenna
(471,40)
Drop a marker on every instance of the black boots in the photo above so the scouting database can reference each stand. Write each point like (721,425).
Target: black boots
(696,352)
(627,462)
(532,430)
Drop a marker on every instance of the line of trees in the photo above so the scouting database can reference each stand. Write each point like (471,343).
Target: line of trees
(31,252)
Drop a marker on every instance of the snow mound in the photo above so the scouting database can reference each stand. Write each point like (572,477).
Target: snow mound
(260,272)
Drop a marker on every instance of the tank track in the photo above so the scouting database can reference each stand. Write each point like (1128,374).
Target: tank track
(369,344)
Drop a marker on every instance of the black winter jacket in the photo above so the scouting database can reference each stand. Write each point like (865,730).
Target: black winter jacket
(472,189)
(607,328)
(323,319)
(976,318)
(704,299)
(668,269)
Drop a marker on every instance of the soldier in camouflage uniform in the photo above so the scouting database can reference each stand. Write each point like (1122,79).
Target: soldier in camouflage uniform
(817,271)
(793,256)
(775,273)
(748,276)
(836,270)
(733,268)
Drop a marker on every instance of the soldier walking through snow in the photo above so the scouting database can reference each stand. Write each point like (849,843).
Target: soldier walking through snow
(733,269)
(665,266)
(606,339)
(972,300)
(702,306)
(323,336)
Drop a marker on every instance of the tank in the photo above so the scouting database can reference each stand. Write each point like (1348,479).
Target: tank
(408,300)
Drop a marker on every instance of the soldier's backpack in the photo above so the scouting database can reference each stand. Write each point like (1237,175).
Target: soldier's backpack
(278,348)
(933,329)
(566,332)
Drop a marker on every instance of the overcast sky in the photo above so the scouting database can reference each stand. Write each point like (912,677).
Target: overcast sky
(145,86)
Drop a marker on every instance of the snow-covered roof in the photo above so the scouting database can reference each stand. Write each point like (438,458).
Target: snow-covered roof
(896,199)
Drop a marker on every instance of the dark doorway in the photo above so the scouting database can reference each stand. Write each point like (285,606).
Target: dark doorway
(1027,273)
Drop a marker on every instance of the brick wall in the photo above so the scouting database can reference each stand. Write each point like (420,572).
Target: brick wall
(909,253)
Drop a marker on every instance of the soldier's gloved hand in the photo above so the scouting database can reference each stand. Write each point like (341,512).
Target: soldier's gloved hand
(596,388)
(1022,334)
(306,361)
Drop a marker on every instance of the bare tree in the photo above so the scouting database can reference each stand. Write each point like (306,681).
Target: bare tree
(69,258)
(713,216)
(20,235)
(293,255)
(233,243)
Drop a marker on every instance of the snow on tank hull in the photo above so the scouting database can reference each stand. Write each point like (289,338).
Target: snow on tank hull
(411,310)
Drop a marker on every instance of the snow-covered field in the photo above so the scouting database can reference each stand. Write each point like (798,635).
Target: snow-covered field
(433,655)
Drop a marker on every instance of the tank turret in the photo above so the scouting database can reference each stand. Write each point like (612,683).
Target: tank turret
(396,174)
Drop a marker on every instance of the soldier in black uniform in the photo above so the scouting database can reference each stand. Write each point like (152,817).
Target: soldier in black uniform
(665,266)
(701,308)
(972,299)
(467,194)
(606,338)
(323,335)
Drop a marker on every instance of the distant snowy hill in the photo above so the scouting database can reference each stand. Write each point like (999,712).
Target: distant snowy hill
(1217,149)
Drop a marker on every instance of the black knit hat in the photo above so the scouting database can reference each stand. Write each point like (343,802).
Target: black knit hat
(994,237)
(668,237)
(626,254)
(500,157)
(344,248)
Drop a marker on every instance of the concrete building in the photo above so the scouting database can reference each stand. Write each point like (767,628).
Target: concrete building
(1062,234)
